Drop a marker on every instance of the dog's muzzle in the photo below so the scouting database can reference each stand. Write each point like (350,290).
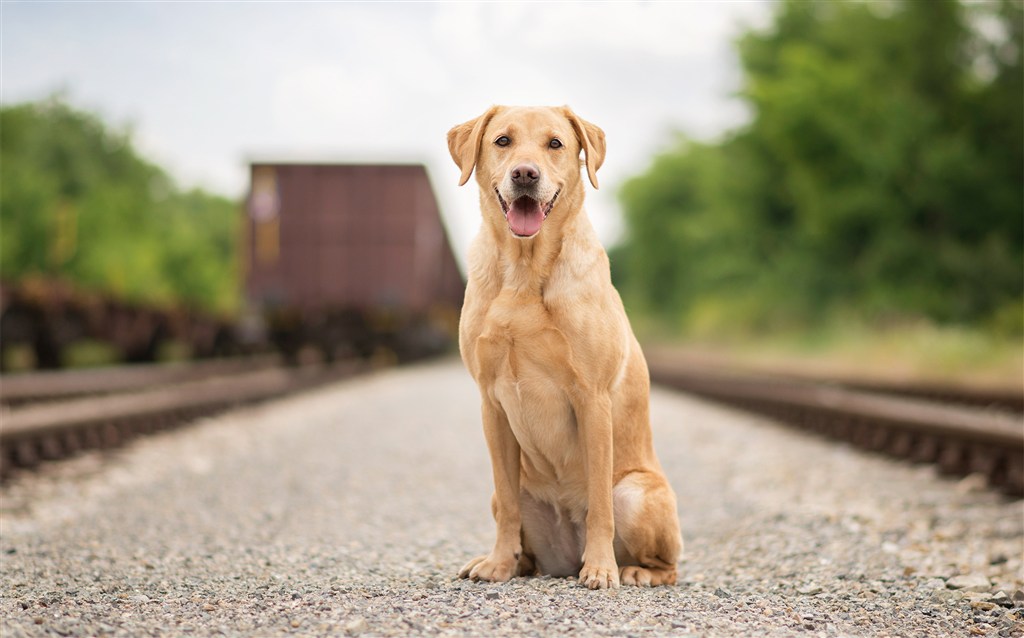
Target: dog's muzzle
(525,213)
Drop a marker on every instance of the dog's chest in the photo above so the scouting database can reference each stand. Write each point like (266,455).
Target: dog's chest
(522,362)
(520,339)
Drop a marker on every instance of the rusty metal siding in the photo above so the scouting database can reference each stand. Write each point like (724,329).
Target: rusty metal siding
(348,236)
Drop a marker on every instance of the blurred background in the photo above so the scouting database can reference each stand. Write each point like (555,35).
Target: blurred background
(786,181)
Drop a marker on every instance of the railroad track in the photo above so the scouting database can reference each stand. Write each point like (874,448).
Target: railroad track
(34,387)
(50,416)
(963,432)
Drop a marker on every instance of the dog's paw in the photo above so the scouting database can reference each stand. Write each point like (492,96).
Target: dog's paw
(600,576)
(646,577)
(489,569)
(633,575)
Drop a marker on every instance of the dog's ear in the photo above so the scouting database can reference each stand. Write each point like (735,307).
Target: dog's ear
(464,143)
(591,139)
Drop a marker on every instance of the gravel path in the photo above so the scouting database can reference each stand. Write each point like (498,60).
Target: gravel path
(348,511)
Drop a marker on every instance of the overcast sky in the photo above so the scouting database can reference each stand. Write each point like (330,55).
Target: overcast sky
(207,85)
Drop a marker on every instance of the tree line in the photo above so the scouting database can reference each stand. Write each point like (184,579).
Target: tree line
(880,179)
(80,204)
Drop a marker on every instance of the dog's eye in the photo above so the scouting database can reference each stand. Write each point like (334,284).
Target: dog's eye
(555,143)
(503,141)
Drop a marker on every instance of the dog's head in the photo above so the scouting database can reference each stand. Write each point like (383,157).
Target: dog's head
(527,159)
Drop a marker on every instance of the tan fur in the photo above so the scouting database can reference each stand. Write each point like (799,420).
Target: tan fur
(563,382)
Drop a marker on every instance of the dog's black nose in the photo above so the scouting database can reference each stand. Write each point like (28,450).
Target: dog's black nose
(525,174)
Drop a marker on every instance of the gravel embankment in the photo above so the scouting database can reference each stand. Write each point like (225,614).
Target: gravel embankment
(349,510)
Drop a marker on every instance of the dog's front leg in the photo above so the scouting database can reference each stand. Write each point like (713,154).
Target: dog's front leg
(594,415)
(500,565)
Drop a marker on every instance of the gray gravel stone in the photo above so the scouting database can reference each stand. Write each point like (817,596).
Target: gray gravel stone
(356,626)
(970,583)
(348,510)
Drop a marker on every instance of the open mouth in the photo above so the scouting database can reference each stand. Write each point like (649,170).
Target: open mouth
(525,214)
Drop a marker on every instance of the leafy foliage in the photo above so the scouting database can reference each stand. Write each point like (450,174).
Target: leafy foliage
(78,202)
(880,178)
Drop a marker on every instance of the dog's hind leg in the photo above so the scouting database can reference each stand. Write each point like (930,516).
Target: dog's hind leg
(648,543)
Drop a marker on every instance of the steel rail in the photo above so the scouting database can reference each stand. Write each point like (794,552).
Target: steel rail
(28,387)
(960,440)
(34,433)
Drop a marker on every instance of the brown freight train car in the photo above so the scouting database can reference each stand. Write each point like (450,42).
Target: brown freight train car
(349,259)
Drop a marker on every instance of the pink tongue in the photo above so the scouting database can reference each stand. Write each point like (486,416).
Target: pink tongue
(525,216)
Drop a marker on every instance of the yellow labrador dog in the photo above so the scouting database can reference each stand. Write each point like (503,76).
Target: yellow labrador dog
(564,385)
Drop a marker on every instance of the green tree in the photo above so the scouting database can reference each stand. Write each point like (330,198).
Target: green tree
(78,202)
(881,176)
